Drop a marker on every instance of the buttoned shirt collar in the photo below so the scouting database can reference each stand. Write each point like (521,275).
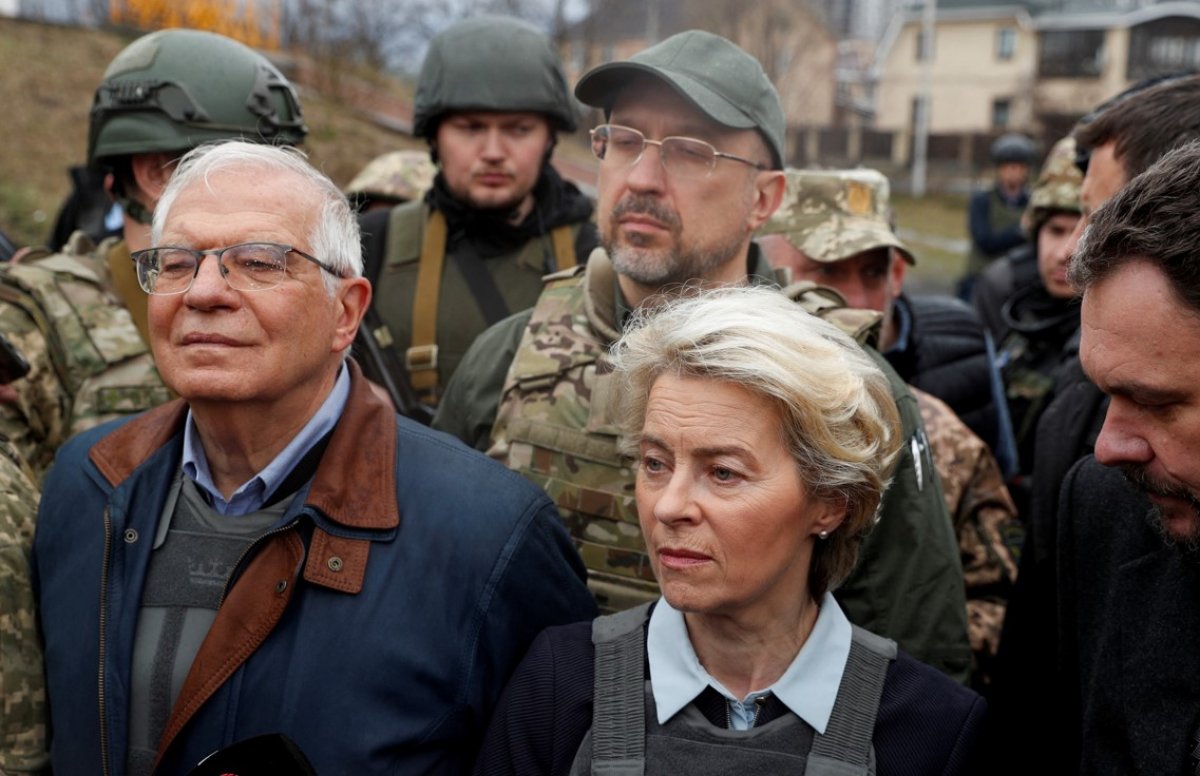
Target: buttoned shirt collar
(808,687)
(252,494)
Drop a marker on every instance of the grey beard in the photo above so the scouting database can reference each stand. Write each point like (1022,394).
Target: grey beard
(1137,477)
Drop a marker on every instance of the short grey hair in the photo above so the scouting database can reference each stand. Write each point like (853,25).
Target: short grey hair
(840,421)
(335,237)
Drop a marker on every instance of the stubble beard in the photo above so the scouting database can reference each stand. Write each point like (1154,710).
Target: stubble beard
(1187,543)
(658,267)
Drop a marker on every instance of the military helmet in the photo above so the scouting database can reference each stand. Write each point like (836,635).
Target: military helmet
(173,90)
(491,63)
(397,176)
(1057,187)
(1013,148)
(831,215)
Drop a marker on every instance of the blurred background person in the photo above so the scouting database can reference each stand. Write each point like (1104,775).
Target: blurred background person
(763,438)
(994,215)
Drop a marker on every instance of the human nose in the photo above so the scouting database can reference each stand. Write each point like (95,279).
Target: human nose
(1120,440)
(493,144)
(855,293)
(648,173)
(676,500)
(209,282)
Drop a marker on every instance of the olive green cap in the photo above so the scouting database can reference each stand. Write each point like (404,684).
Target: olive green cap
(1057,187)
(173,90)
(721,80)
(491,63)
(832,215)
(397,176)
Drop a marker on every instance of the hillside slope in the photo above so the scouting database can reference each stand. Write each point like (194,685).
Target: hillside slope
(47,76)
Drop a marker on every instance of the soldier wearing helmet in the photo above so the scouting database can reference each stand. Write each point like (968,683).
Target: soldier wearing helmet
(994,215)
(490,100)
(1031,308)
(78,315)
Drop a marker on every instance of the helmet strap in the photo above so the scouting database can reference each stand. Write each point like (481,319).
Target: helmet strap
(136,210)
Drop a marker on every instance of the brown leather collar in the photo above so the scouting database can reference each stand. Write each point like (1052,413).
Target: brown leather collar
(355,483)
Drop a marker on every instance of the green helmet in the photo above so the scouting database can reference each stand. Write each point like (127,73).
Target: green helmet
(491,63)
(173,90)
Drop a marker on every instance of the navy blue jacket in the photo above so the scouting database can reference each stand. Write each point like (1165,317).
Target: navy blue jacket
(389,660)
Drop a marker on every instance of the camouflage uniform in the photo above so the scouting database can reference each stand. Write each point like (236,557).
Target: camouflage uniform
(985,520)
(22,685)
(88,363)
(394,177)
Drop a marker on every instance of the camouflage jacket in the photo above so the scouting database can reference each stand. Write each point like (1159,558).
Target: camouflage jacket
(985,520)
(22,684)
(88,363)
(545,376)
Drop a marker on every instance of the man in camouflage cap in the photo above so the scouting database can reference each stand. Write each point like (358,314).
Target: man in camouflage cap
(691,164)
(391,179)
(834,228)
(78,316)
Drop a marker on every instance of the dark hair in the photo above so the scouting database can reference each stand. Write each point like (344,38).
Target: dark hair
(1155,219)
(1146,124)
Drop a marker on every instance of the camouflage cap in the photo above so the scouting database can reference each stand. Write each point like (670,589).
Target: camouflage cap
(397,176)
(831,215)
(1057,186)
(721,80)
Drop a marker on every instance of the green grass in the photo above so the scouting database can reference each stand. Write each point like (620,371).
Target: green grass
(935,228)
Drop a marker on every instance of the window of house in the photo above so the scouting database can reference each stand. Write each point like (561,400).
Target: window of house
(1001,113)
(1071,53)
(1006,43)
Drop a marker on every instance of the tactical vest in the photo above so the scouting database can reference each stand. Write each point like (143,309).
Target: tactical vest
(555,426)
(430,313)
(626,739)
(89,340)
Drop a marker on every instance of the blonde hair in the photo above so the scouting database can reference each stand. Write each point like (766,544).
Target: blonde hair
(840,422)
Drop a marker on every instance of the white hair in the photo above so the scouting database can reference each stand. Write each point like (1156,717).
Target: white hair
(334,238)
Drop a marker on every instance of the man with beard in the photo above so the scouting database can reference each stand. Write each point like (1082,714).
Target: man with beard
(691,159)
(490,100)
(1122,686)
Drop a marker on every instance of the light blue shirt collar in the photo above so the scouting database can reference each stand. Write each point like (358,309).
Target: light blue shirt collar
(808,687)
(253,493)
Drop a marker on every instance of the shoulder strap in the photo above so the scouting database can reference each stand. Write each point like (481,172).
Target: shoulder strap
(845,747)
(421,359)
(564,247)
(619,695)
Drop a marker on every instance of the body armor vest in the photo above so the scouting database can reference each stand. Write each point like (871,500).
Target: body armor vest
(627,740)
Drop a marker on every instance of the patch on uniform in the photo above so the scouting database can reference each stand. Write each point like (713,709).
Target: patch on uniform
(858,198)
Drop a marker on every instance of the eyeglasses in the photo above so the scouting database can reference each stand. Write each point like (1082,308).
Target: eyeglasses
(684,157)
(252,266)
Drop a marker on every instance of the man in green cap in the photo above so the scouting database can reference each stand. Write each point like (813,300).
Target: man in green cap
(691,161)
(490,101)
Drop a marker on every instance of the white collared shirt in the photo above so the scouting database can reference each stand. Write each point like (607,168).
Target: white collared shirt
(808,687)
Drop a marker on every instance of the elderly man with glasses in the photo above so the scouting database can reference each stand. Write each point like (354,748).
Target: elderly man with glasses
(691,159)
(277,552)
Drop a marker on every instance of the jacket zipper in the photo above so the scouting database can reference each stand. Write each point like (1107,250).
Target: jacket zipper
(104,639)
(253,545)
